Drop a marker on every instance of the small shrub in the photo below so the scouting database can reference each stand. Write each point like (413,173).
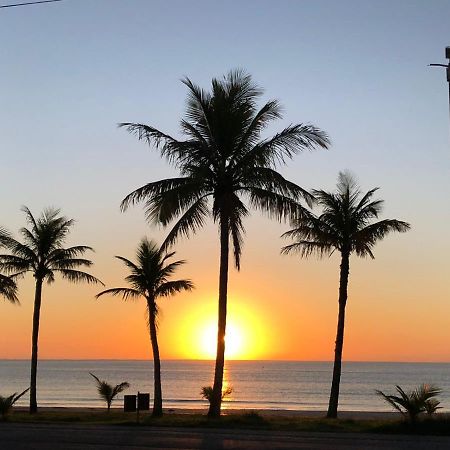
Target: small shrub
(6,403)
(415,402)
(207,391)
(107,391)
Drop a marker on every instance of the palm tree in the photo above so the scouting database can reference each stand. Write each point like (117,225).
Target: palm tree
(149,278)
(223,158)
(411,404)
(6,403)
(107,391)
(42,253)
(345,225)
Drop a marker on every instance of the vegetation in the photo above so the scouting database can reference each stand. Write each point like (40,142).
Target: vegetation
(207,392)
(107,391)
(42,253)
(415,402)
(8,286)
(345,225)
(6,403)
(150,278)
(440,425)
(223,158)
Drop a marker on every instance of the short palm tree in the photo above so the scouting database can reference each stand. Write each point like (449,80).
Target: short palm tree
(411,404)
(223,158)
(346,226)
(107,391)
(42,253)
(150,278)
(6,403)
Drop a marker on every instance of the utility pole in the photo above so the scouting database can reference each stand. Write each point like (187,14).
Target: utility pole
(447,55)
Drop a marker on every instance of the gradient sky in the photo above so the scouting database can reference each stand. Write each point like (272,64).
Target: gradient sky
(358,69)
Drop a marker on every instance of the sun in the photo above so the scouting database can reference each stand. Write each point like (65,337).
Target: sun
(245,336)
(234,341)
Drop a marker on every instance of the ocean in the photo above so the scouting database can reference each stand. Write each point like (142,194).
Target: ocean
(287,385)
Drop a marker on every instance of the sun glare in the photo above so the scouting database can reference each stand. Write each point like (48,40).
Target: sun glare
(234,342)
(244,337)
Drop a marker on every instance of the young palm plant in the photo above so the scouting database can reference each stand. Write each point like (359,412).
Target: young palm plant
(411,404)
(6,403)
(107,391)
(346,226)
(223,159)
(150,278)
(42,253)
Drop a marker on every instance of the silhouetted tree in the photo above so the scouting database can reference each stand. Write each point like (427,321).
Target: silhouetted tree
(344,225)
(223,158)
(149,278)
(107,391)
(42,253)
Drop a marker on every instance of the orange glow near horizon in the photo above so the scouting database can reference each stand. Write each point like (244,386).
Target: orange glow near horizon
(243,339)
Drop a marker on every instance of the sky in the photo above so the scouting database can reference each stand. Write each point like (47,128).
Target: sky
(358,69)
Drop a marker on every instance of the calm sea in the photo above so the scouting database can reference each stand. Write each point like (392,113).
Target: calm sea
(256,384)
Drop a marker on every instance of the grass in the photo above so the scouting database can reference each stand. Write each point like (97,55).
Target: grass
(440,425)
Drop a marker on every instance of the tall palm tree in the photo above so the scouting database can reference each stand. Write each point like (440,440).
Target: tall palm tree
(223,158)
(42,253)
(346,226)
(149,278)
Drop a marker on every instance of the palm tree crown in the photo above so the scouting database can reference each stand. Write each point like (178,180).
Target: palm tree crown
(345,223)
(42,251)
(150,276)
(223,157)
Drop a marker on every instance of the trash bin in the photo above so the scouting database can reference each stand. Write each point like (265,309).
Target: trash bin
(129,403)
(143,402)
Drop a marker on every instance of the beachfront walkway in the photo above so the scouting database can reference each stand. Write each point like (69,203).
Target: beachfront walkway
(17,436)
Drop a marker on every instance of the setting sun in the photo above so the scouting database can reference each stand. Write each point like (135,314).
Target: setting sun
(234,341)
(244,333)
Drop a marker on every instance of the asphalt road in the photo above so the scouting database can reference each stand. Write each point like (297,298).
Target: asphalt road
(17,436)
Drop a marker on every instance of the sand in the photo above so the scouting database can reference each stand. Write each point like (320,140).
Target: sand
(353,415)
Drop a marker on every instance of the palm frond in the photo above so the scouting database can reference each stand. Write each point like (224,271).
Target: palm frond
(193,219)
(170,288)
(8,288)
(77,276)
(126,293)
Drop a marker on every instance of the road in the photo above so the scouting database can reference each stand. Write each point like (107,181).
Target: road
(16,436)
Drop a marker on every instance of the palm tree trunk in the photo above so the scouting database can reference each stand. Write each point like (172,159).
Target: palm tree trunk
(343,283)
(34,345)
(216,398)
(157,396)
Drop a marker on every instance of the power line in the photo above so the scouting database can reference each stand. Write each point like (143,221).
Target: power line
(28,3)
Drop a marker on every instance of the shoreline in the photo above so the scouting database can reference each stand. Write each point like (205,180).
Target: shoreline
(267,413)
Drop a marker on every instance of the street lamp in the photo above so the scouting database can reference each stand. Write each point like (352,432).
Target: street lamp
(447,55)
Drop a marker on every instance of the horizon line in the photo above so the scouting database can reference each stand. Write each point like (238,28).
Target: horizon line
(232,360)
